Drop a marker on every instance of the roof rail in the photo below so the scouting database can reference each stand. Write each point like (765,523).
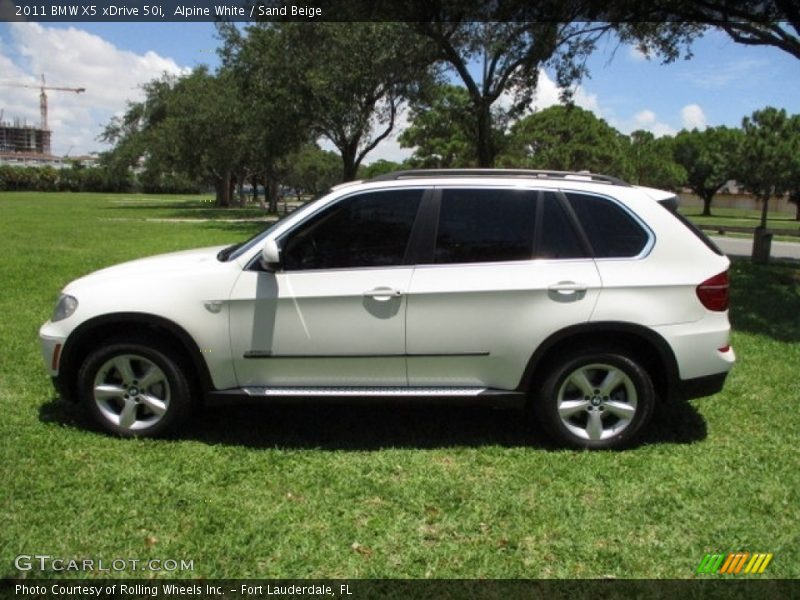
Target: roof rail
(529,173)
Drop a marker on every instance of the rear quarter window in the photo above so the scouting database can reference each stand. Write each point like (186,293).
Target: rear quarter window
(611,230)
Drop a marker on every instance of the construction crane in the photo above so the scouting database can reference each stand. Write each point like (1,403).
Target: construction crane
(43,95)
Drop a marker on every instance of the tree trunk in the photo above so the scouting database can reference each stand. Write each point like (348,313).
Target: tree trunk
(764,211)
(485,143)
(240,191)
(707,204)
(272,194)
(349,166)
(223,190)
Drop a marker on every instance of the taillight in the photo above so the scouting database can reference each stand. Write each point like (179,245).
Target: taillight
(714,293)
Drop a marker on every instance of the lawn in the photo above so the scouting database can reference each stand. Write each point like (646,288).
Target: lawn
(386,491)
(739,217)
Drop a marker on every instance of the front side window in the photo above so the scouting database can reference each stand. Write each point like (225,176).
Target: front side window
(612,232)
(485,225)
(365,230)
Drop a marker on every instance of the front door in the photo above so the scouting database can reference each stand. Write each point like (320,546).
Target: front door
(334,314)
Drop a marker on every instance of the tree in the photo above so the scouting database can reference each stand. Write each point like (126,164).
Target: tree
(311,170)
(191,125)
(651,161)
(276,122)
(566,138)
(765,23)
(379,167)
(348,80)
(768,149)
(709,159)
(442,129)
(502,54)
(794,164)
(201,134)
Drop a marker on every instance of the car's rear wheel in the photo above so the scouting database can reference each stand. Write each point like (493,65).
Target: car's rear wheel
(596,399)
(134,389)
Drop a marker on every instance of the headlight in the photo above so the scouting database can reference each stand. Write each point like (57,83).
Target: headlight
(65,306)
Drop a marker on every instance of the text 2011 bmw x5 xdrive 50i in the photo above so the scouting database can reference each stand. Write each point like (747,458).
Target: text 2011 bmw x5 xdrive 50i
(586,299)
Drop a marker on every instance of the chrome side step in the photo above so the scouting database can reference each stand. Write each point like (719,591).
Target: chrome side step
(383,392)
(422,395)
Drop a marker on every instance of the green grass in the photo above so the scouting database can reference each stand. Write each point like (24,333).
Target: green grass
(738,217)
(380,492)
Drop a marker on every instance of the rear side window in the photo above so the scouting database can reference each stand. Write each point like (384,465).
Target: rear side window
(612,232)
(485,225)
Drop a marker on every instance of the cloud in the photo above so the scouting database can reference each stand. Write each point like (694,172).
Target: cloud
(693,117)
(718,77)
(73,58)
(548,94)
(646,120)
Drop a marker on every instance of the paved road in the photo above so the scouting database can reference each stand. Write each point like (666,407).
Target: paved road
(734,246)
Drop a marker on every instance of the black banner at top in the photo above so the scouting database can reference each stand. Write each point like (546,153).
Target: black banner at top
(250,11)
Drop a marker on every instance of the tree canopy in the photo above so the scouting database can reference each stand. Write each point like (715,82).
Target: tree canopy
(566,138)
(709,159)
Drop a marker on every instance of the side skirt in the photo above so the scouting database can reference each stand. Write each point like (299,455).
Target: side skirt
(390,395)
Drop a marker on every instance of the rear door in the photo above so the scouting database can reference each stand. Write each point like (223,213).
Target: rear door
(506,269)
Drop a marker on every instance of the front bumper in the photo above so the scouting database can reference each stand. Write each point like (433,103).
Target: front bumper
(51,350)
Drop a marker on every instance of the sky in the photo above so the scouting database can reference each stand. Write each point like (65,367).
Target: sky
(719,85)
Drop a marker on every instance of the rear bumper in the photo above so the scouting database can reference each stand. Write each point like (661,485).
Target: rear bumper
(699,387)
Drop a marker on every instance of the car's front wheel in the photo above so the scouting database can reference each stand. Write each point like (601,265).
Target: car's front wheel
(596,399)
(133,388)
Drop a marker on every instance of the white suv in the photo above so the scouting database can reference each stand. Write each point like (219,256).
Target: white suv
(584,298)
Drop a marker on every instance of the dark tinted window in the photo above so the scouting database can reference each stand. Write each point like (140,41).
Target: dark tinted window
(485,225)
(612,232)
(559,239)
(368,230)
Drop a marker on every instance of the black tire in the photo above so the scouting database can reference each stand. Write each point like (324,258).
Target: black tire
(596,399)
(136,400)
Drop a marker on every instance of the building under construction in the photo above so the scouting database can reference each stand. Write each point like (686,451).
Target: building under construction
(19,137)
(24,145)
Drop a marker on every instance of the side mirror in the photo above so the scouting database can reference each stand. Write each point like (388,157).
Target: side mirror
(270,255)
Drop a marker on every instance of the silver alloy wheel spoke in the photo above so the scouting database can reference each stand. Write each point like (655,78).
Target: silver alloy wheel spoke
(581,381)
(570,407)
(157,406)
(586,406)
(620,409)
(594,427)
(128,415)
(131,392)
(104,391)
(123,365)
(612,379)
(151,376)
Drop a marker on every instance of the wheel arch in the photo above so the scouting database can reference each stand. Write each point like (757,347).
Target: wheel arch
(649,347)
(89,334)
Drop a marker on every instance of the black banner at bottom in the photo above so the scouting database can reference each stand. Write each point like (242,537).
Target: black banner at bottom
(359,589)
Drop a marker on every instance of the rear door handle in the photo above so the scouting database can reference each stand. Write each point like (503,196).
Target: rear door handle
(568,287)
(382,294)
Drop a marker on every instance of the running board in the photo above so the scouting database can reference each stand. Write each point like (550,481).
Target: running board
(422,395)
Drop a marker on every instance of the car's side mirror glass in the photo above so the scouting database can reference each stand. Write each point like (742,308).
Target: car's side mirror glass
(271,255)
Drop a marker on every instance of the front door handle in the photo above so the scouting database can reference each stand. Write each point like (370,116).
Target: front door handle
(568,287)
(382,294)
